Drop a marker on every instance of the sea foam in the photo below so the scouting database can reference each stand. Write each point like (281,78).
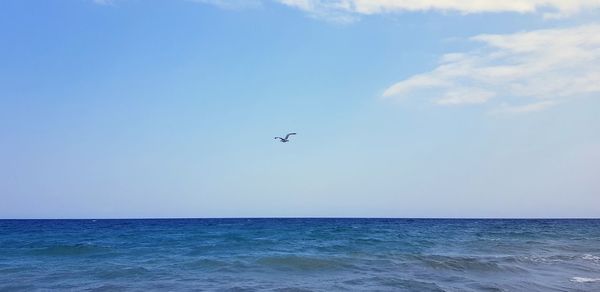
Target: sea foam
(584,280)
(590,257)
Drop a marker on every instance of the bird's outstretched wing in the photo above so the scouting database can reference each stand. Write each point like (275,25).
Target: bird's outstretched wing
(288,135)
(277,138)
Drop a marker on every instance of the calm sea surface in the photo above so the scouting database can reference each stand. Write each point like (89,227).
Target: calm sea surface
(300,255)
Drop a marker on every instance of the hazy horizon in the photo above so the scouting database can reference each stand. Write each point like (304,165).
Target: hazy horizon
(308,218)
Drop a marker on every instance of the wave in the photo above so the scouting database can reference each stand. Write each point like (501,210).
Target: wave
(536,259)
(367,283)
(108,288)
(464,263)
(557,258)
(302,263)
(17,287)
(212,265)
(592,258)
(70,250)
(292,289)
(121,272)
(584,280)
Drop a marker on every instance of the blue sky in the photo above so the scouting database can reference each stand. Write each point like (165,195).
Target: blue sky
(131,108)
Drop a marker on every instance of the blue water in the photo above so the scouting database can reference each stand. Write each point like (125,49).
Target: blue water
(300,255)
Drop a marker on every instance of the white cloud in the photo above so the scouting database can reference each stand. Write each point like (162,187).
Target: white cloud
(465,96)
(349,10)
(225,4)
(532,107)
(539,67)
(103,2)
(549,8)
(338,11)
(231,4)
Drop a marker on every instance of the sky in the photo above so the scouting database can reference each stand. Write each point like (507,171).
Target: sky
(164,109)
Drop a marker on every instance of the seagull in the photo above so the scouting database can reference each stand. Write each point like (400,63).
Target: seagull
(286,139)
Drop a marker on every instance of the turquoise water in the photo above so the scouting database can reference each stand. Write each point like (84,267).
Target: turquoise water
(300,255)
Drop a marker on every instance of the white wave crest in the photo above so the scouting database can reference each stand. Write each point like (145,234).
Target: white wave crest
(584,280)
(590,257)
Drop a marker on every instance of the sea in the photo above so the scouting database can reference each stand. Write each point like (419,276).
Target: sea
(300,254)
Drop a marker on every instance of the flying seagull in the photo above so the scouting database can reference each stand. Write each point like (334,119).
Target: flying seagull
(286,139)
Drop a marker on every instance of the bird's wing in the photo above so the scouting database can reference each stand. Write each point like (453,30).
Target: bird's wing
(277,138)
(288,135)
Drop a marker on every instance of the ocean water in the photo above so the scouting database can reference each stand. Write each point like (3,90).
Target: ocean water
(300,255)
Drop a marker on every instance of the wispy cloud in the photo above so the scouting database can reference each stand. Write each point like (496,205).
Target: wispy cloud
(350,10)
(225,4)
(337,11)
(519,109)
(231,4)
(548,8)
(541,67)
(103,2)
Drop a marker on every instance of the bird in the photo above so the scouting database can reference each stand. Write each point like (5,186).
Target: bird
(286,139)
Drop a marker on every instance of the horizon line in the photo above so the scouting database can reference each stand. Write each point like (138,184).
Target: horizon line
(308,217)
